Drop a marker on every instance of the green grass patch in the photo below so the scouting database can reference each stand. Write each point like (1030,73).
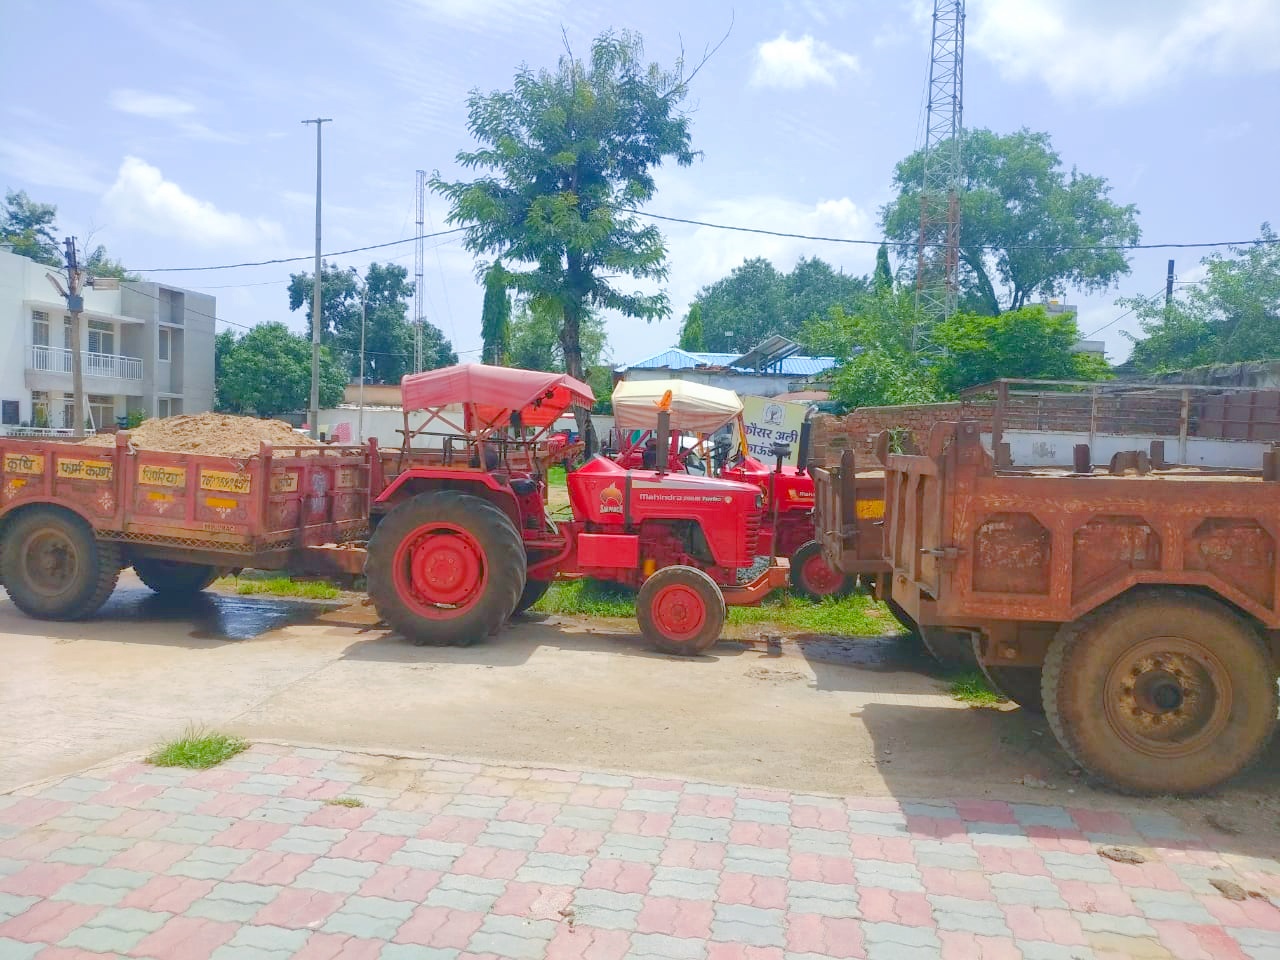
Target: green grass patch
(854,616)
(246,585)
(555,476)
(199,751)
(345,802)
(971,687)
(592,598)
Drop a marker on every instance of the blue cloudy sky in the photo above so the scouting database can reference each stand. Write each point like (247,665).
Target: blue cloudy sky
(170,131)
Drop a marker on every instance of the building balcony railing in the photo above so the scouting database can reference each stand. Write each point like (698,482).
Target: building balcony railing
(58,360)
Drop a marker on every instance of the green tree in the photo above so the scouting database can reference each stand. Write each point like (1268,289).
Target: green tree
(691,337)
(1029,227)
(1231,317)
(1026,343)
(565,157)
(31,227)
(267,372)
(756,300)
(495,317)
(535,338)
(876,377)
(882,278)
(388,332)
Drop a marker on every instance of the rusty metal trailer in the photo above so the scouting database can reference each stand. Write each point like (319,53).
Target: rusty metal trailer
(72,516)
(1139,602)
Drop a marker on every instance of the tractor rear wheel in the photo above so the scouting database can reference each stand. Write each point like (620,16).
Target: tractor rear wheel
(534,590)
(445,568)
(813,578)
(54,568)
(1161,692)
(681,611)
(953,649)
(173,579)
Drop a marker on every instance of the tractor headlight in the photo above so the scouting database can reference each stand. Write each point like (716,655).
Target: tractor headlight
(759,501)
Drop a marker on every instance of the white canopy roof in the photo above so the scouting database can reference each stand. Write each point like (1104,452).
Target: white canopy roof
(695,407)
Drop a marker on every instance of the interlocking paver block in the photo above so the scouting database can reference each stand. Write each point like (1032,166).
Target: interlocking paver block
(466,894)
(1170,905)
(684,882)
(17,950)
(891,876)
(262,943)
(115,929)
(739,923)
(336,875)
(607,909)
(512,938)
(556,869)
(697,827)
(969,916)
(1014,888)
(304,839)
(659,946)
(428,854)
(371,918)
(838,900)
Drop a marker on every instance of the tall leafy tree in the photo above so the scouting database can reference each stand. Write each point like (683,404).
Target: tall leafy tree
(267,372)
(565,156)
(757,300)
(1029,227)
(882,278)
(1026,343)
(1232,316)
(388,333)
(691,336)
(495,317)
(31,227)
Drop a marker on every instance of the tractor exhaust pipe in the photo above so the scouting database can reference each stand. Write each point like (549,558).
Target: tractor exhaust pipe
(664,441)
(802,457)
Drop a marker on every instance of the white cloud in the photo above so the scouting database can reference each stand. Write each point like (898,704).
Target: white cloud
(44,164)
(142,198)
(793,64)
(1117,52)
(157,106)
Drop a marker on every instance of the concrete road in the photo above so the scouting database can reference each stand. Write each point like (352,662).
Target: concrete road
(853,717)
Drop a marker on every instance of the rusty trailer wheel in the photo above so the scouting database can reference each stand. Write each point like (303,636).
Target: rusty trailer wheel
(815,579)
(53,567)
(446,568)
(1161,692)
(173,579)
(681,611)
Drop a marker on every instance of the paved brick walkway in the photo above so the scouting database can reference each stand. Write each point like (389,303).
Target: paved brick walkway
(458,861)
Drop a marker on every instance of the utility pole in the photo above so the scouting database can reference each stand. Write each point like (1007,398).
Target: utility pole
(316,304)
(1168,290)
(364,303)
(75,306)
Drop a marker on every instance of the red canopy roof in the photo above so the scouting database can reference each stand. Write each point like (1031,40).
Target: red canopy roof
(489,394)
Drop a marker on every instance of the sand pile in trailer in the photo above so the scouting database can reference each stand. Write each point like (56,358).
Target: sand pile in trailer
(211,434)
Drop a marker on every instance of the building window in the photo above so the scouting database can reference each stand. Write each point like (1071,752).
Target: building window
(9,412)
(102,337)
(39,328)
(102,409)
(68,411)
(166,344)
(66,333)
(162,407)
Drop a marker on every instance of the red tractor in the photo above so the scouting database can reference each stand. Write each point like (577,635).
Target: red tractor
(462,539)
(698,411)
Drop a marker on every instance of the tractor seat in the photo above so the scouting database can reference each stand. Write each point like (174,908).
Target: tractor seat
(523,486)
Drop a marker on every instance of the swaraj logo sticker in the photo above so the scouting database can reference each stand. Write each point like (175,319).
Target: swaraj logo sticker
(224,481)
(611,499)
(99,470)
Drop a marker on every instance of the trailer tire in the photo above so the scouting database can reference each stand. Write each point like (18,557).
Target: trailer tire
(445,568)
(953,649)
(172,579)
(534,590)
(1020,685)
(54,568)
(1164,691)
(681,611)
(813,578)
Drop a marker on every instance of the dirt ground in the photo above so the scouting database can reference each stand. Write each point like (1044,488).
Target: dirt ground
(810,713)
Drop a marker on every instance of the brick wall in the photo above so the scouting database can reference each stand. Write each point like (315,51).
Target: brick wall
(832,435)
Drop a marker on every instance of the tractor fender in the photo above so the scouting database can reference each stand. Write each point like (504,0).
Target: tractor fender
(413,482)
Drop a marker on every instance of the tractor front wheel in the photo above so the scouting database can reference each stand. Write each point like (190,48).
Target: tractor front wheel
(681,611)
(534,590)
(446,568)
(813,578)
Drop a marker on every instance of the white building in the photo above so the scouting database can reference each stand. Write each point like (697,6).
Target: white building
(145,347)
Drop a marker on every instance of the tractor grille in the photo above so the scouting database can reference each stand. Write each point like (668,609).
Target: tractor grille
(752,546)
